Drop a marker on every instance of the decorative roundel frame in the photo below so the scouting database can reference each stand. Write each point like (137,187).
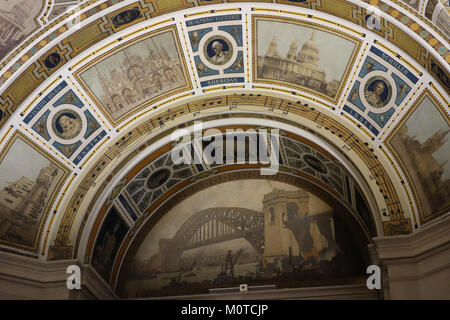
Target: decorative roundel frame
(368,85)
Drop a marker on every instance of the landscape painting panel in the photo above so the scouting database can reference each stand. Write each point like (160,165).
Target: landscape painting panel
(141,72)
(28,180)
(412,3)
(17,20)
(277,234)
(421,143)
(302,56)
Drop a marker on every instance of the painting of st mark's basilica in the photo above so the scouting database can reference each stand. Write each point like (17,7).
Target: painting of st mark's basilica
(139,73)
(278,235)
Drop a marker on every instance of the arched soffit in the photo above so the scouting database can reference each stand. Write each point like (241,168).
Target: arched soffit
(334,180)
(47,84)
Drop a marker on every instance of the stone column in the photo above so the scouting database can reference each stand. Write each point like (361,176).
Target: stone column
(28,278)
(417,265)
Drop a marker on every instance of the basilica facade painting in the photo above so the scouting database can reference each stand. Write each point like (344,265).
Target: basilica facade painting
(278,234)
(28,181)
(17,20)
(300,55)
(127,80)
(422,145)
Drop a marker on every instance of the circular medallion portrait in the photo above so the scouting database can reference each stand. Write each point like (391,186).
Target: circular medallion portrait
(67,124)
(377,92)
(315,163)
(158,178)
(218,50)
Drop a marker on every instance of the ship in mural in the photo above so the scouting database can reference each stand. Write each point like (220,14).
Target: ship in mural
(217,247)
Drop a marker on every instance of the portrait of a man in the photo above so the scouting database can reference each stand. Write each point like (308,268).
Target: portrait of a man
(67,125)
(377,93)
(220,56)
(218,51)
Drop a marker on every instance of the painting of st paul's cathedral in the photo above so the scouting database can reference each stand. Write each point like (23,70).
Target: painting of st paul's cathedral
(302,56)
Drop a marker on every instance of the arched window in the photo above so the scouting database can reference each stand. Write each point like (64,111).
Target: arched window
(292,211)
(272,214)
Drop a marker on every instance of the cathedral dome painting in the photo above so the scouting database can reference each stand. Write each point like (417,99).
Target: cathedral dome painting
(310,67)
(310,51)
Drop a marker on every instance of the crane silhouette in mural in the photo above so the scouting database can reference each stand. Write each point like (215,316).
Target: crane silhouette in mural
(227,273)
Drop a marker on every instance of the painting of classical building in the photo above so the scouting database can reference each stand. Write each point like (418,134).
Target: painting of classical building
(279,234)
(142,72)
(28,180)
(438,13)
(17,20)
(302,56)
(422,145)
(413,3)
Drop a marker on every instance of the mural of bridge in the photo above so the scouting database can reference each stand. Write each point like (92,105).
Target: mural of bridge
(208,227)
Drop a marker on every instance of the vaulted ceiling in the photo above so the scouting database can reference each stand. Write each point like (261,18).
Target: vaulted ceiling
(91,92)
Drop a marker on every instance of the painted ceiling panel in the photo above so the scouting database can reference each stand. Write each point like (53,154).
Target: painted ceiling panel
(86,95)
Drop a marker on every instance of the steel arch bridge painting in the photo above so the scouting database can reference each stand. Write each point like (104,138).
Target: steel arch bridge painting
(279,234)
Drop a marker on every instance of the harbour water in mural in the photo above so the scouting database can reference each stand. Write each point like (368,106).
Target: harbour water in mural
(302,56)
(139,73)
(422,144)
(277,234)
(28,181)
(17,20)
